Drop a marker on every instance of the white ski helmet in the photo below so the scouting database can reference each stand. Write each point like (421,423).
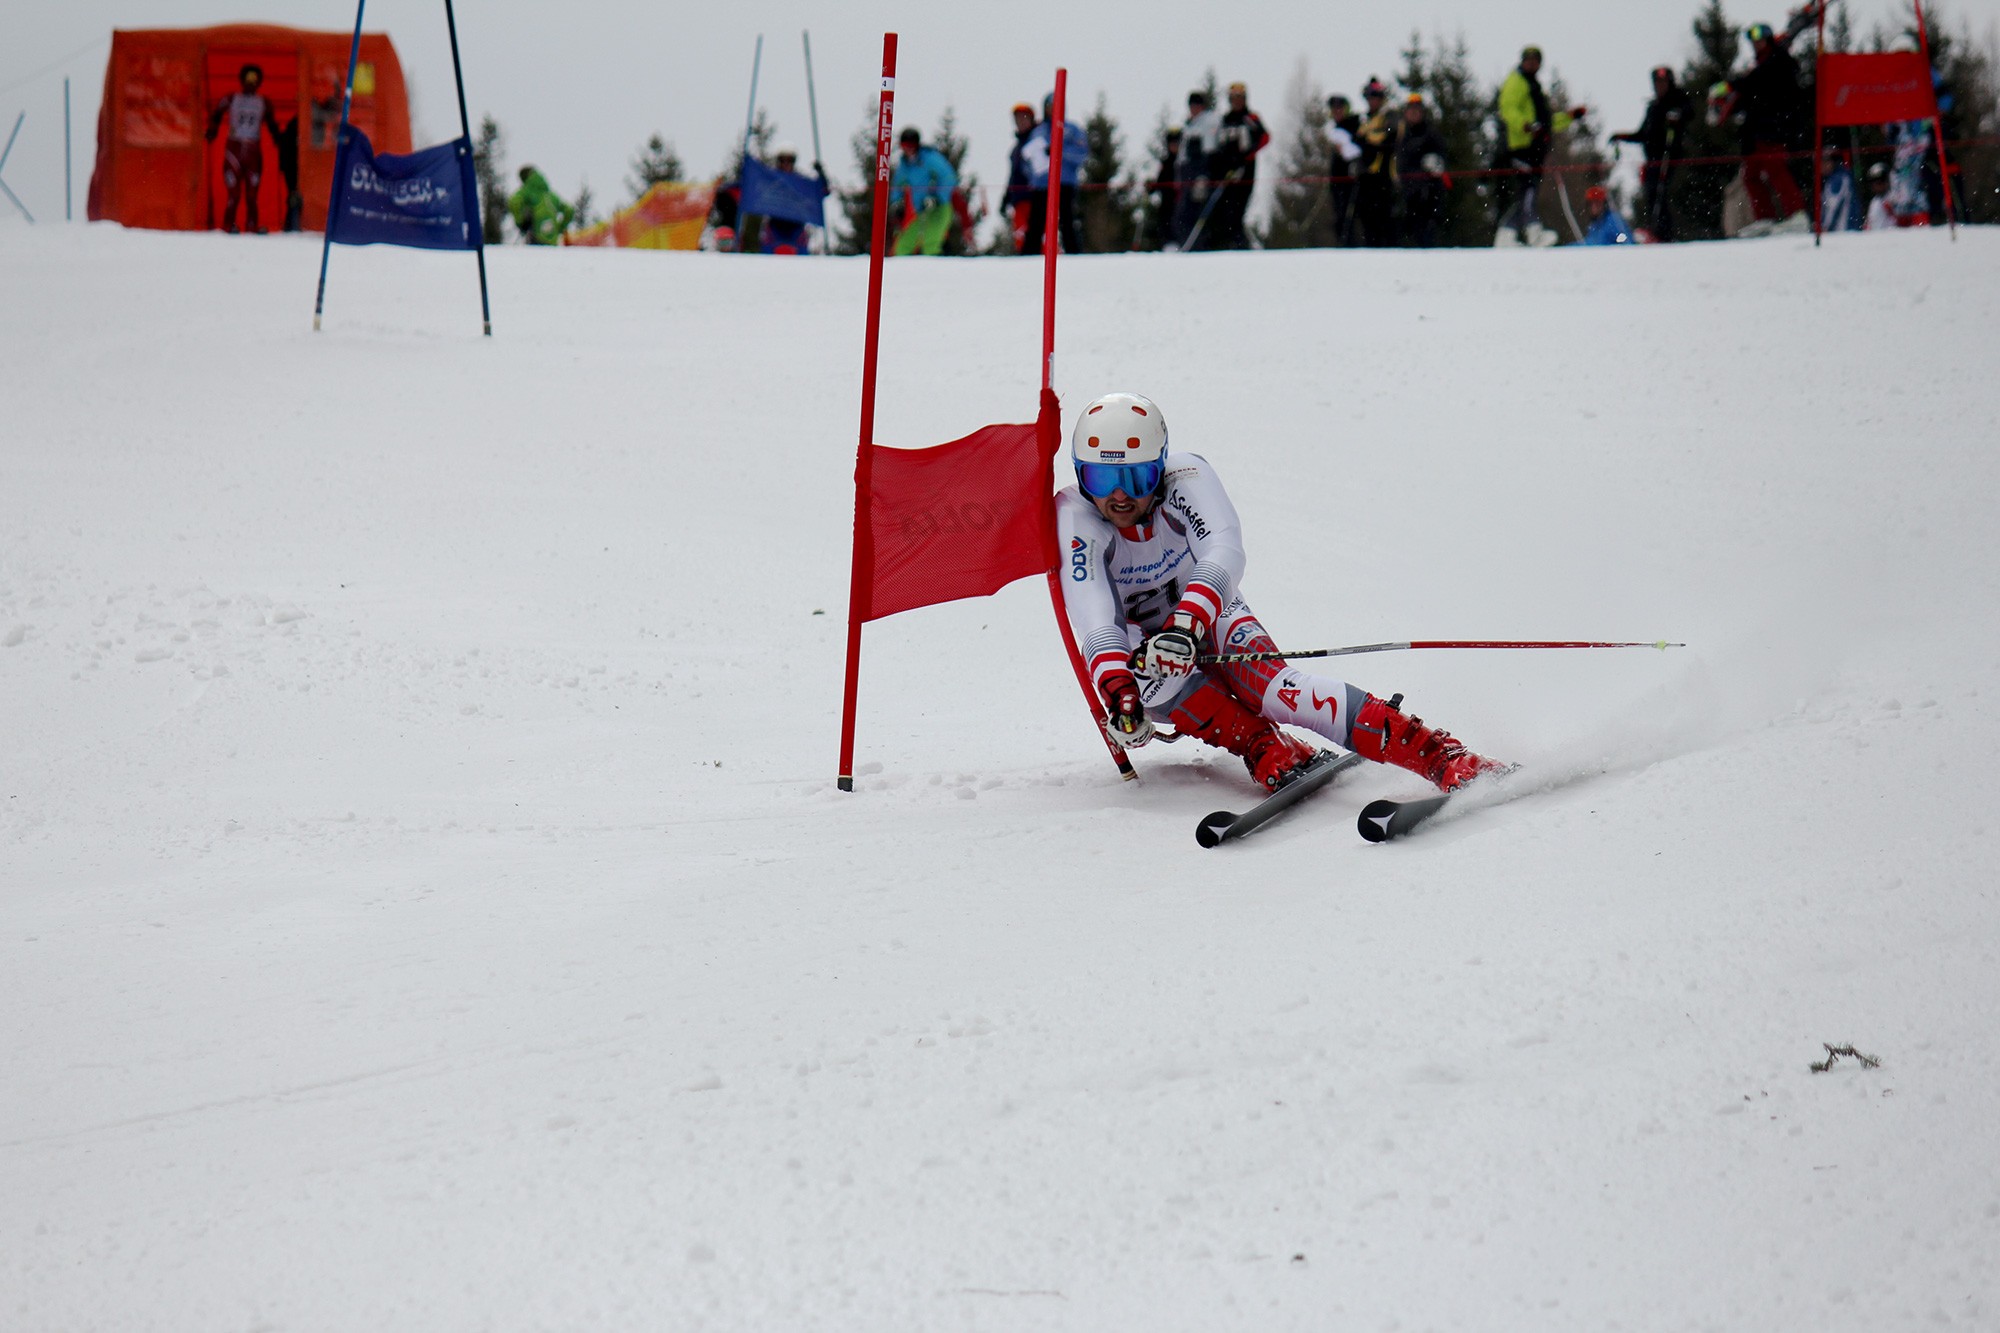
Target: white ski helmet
(1120,443)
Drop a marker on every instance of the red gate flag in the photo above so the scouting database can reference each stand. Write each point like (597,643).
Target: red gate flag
(956,520)
(1875,89)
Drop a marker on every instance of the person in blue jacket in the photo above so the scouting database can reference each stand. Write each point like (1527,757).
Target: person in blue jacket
(1035,153)
(1606,227)
(1839,201)
(920,197)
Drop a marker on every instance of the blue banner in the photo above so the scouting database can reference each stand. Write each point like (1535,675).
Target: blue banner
(771,193)
(429,198)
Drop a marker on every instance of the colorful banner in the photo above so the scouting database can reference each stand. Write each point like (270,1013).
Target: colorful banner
(1874,89)
(428,199)
(666,217)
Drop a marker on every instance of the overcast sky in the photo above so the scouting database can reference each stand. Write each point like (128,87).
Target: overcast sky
(578,86)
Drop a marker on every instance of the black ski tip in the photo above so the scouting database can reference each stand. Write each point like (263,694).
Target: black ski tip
(1376,816)
(1382,820)
(1211,831)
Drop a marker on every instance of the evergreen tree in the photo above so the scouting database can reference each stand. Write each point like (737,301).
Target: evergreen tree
(585,213)
(952,144)
(1697,190)
(1106,207)
(656,163)
(1151,223)
(489,166)
(857,206)
(1301,211)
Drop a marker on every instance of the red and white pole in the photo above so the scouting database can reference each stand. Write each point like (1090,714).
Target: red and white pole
(862,580)
(1937,125)
(1051,414)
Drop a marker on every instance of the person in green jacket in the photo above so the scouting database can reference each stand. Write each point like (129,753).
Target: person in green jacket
(537,211)
(1531,127)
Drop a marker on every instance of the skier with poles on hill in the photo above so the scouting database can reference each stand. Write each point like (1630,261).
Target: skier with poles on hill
(1152,557)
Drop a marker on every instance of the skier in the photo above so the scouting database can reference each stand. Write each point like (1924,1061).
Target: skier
(1529,129)
(1239,138)
(1017,201)
(1420,164)
(539,213)
(1035,153)
(1197,142)
(1165,190)
(1342,127)
(249,114)
(1839,204)
(920,196)
(1606,226)
(1777,120)
(1375,190)
(1662,135)
(1153,554)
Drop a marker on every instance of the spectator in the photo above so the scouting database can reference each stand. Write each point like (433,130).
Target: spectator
(1017,201)
(1342,125)
(1233,163)
(249,114)
(1165,192)
(920,197)
(1777,119)
(1879,216)
(1076,148)
(783,236)
(1197,142)
(1909,163)
(1375,188)
(1420,164)
(538,211)
(1839,205)
(1663,137)
(1606,226)
(1530,128)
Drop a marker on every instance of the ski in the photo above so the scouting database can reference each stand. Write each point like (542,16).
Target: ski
(1382,820)
(1226,825)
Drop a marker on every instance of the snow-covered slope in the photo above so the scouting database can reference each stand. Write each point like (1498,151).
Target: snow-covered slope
(428,906)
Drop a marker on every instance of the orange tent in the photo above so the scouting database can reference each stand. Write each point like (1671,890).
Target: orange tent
(154,168)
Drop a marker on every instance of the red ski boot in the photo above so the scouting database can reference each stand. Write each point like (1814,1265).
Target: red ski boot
(1212,714)
(1388,737)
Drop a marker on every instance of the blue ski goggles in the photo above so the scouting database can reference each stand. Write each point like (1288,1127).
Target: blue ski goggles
(1137,480)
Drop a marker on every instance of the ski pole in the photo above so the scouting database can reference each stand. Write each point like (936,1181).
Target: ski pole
(1225,659)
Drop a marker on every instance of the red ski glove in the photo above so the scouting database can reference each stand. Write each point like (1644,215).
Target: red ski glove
(1127,723)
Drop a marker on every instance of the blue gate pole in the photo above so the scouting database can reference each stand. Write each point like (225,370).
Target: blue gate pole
(3,166)
(339,162)
(465,148)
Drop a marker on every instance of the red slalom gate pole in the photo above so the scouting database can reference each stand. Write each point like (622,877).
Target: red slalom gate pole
(1051,412)
(1937,127)
(1224,658)
(862,580)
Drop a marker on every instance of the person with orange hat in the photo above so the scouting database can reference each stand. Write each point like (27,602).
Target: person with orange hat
(1420,165)
(1606,226)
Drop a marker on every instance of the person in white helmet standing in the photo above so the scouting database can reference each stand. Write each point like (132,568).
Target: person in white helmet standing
(1152,557)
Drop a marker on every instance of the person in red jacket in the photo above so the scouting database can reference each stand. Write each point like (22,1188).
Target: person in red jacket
(249,114)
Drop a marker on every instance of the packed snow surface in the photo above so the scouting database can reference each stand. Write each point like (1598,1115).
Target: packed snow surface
(428,906)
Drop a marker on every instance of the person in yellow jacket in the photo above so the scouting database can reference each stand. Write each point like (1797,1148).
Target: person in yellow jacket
(1530,127)
(1375,170)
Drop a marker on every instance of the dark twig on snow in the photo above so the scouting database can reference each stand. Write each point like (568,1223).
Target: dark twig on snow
(1833,1053)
